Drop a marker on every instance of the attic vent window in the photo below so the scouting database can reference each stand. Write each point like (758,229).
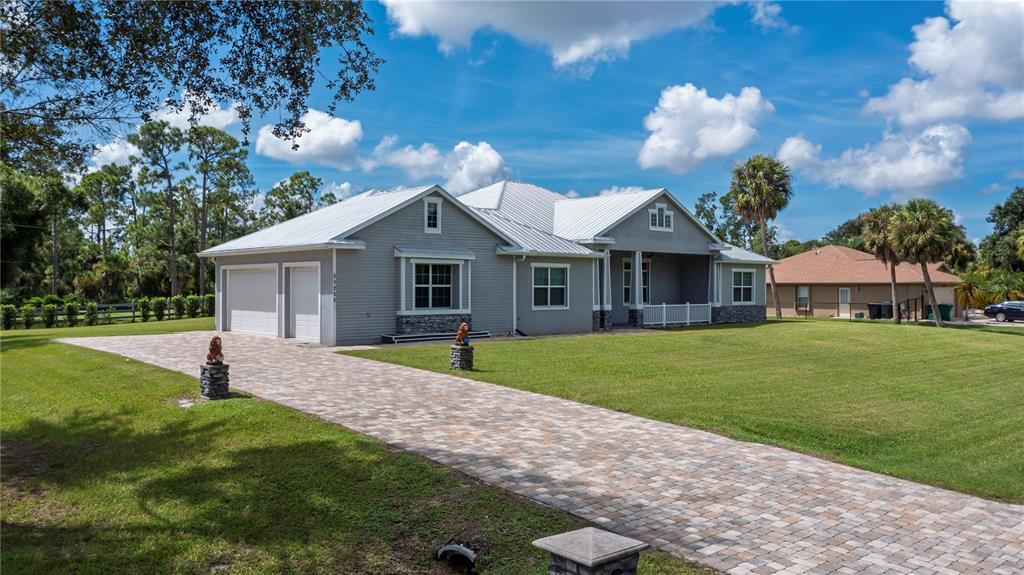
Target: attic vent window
(432,215)
(661,218)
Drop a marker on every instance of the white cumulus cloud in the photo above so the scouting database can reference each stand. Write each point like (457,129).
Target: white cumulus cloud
(903,164)
(340,191)
(330,141)
(465,168)
(573,32)
(620,190)
(118,152)
(216,116)
(970,64)
(689,127)
(767,15)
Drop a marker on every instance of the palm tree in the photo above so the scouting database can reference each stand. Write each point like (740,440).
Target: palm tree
(875,231)
(762,187)
(924,232)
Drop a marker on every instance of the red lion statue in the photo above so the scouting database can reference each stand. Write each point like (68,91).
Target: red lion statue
(215,355)
(460,337)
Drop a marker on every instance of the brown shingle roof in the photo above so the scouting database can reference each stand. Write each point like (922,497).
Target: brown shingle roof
(842,265)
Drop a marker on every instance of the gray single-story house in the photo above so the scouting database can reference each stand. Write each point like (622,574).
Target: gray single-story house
(507,258)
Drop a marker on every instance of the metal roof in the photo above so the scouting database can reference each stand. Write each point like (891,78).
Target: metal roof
(733,254)
(518,201)
(585,218)
(532,240)
(324,226)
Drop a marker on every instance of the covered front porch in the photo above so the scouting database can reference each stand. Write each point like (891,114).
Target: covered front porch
(657,289)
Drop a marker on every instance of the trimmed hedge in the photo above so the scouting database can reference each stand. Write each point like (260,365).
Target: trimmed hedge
(71,314)
(28,315)
(193,305)
(178,304)
(92,313)
(209,304)
(49,315)
(159,308)
(145,308)
(10,315)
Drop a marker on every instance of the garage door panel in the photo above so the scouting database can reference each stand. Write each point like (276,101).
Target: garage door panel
(304,304)
(252,300)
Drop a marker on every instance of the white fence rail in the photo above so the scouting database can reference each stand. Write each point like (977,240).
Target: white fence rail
(677,314)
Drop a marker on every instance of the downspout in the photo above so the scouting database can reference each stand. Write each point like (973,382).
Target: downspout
(515,301)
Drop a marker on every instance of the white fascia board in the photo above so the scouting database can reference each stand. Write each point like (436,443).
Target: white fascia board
(506,251)
(342,245)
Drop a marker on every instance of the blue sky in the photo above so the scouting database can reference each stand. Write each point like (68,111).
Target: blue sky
(558,96)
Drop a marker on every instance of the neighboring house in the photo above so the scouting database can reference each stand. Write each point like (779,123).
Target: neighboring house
(507,258)
(837,281)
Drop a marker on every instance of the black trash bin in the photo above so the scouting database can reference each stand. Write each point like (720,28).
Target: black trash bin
(886,311)
(874,311)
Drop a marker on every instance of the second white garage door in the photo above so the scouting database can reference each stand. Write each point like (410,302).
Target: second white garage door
(252,300)
(304,303)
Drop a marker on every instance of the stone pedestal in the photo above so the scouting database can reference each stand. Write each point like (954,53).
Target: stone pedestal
(591,551)
(602,320)
(636,317)
(462,357)
(213,380)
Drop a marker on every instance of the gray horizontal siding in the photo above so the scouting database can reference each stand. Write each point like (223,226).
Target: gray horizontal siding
(726,281)
(634,234)
(579,316)
(368,280)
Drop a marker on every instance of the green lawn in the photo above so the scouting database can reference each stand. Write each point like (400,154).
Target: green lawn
(940,406)
(102,473)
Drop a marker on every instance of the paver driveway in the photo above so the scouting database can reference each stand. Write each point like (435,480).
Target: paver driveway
(739,507)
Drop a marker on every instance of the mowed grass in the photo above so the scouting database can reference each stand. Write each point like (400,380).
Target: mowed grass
(940,406)
(103,472)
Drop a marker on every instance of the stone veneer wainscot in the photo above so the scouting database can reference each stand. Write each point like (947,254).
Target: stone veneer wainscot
(441,323)
(738,314)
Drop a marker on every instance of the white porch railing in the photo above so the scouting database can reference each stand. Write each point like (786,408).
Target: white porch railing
(677,314)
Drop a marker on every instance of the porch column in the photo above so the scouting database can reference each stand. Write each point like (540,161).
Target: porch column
(607,280)
(636,314)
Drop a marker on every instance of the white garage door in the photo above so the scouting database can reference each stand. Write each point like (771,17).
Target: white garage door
(304,304)
(252,300)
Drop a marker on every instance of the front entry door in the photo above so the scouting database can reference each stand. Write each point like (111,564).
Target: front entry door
(844,302)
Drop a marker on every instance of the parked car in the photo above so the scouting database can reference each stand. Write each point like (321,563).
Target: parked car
(1006,311)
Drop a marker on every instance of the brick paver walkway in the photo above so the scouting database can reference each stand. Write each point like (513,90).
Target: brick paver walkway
(739,507)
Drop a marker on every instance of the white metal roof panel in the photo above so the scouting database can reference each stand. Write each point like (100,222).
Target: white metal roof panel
(585,218)
(732,253)
(322,226)
(532,240)
(525,203)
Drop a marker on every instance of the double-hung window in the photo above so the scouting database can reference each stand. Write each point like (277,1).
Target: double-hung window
(627,281)
(743,286)
(433,287)
(432,215)
(660,218)
(551,287)
(803,299)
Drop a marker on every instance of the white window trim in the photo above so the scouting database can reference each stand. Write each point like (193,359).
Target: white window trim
(808,296)
(664,208)
(533,286)
(431,309)
(427,202)
(650,276)
(753,283)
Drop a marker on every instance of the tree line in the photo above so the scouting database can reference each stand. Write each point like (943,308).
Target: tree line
(920,232)
(133,230)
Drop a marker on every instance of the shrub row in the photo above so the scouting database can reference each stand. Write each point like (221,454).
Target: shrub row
(50,308)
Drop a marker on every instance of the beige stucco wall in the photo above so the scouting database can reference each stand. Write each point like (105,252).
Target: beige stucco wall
(824,298)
